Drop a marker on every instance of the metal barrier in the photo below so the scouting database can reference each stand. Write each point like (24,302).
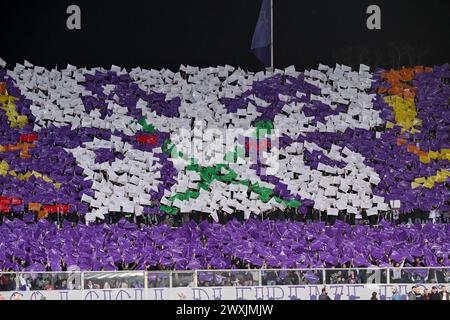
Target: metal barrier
(78,280)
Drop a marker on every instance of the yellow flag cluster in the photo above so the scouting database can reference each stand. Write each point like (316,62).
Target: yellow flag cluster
(436,155)
(405,113)
(4,167)
(428,182)
(424,156)
(401,99)
(14,118)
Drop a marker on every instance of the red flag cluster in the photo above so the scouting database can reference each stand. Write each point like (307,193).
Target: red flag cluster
(28,138)
(7,202)
(146,139)
(2,88)
(58,208)
(263,144)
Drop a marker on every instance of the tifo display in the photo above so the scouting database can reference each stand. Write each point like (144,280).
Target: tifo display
(252,244)
(97,145)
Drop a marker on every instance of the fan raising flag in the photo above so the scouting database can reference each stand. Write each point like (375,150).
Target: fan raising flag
(262,42)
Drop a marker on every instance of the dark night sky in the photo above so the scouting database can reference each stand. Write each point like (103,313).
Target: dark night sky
(157,34)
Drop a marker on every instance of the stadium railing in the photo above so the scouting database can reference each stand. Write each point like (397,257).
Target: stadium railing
(81,280)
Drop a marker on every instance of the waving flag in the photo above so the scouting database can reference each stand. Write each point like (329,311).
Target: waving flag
(262,37)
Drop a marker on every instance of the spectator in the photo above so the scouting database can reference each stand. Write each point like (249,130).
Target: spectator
(49,286)
(362,275)
(396,295)
(412,295)
(352,279)
(375,274)
(426,294)
(324,294)
(440,276)
(248,279)
(235,281)
(415,293)
(434,214)
(295,277)
(7,282)
(24,282)
(434,295)
(334,279)
(396,216)
(374,296)
(90,285)
(271,278)
(444,294)
(396,276)
(28,285)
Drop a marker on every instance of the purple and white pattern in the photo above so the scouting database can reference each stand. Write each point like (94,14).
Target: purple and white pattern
(333,148)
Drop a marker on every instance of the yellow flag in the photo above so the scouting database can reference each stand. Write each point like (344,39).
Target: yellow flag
(4,166)
(429,184)
(415,185)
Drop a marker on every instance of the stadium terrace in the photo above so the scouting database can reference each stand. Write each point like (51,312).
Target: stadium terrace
(129,169)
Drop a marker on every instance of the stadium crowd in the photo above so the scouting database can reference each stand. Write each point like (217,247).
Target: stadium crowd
(290,214)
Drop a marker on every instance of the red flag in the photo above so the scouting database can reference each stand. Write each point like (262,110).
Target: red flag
(146,139)
(28,138)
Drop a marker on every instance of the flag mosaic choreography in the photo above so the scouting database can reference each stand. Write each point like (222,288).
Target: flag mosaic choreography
(102,142)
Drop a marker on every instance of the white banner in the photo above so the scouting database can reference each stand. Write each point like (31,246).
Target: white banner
(294,292)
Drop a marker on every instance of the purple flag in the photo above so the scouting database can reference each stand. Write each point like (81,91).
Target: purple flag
(262,38)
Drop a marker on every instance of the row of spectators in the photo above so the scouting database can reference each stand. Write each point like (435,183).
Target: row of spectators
(416,293)
(138,282)
(312,215)
(72,281)
(354,276)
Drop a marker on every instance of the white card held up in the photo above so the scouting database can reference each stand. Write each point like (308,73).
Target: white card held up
(2,63)
(332,211)
(352,210)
